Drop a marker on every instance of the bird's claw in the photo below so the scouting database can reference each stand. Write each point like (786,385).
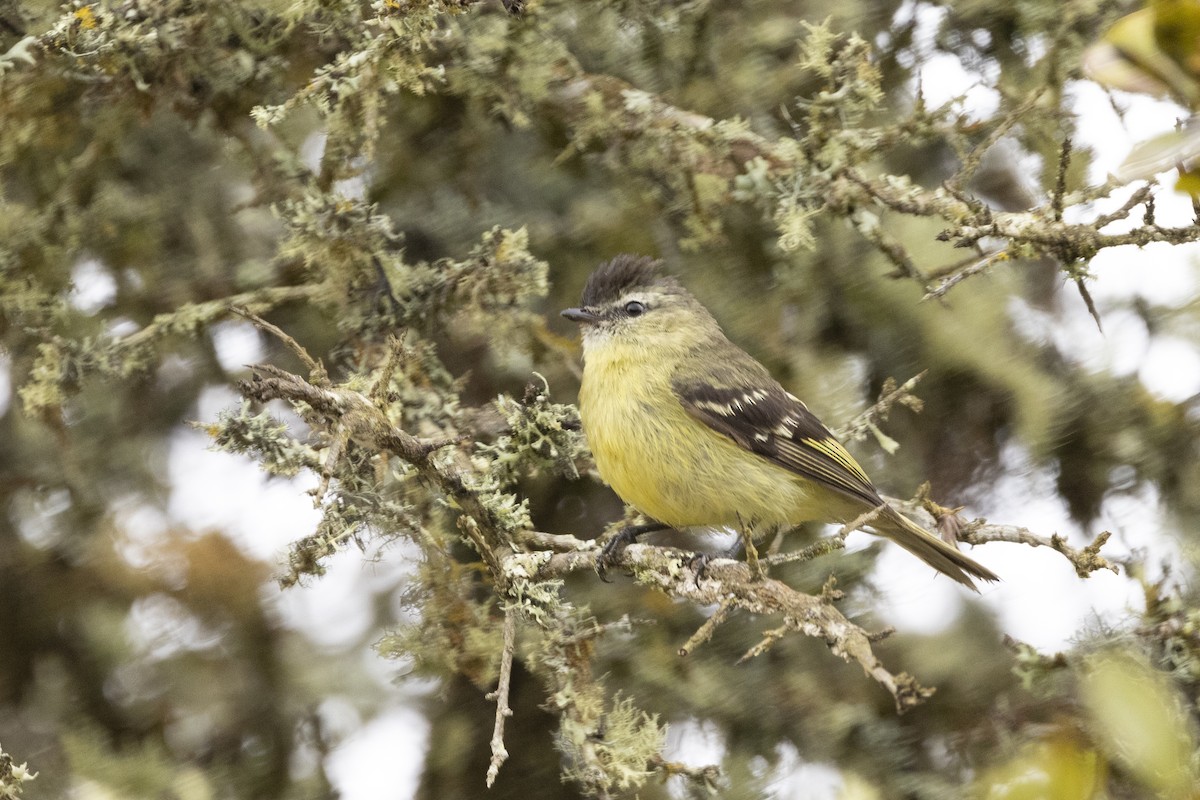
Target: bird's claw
(698,564)
(610,554)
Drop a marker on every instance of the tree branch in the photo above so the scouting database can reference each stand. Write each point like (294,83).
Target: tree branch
(977,531)
(1085,560)
(723,581)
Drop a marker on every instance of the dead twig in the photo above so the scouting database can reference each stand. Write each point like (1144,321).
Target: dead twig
(316,371)
(868,420)
(1086,560)
(705,631)
(974,268)
(503,711)
(820,547)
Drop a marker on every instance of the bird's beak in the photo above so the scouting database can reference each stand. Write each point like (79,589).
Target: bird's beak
(580,315)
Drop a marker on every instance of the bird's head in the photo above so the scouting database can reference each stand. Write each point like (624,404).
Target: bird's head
(629,301)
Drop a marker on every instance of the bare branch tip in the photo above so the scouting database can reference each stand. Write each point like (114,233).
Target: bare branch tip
(316,371)
(1087,300)
(881,635)
(909,693)
(503,711)
(705,631)
(1060,186)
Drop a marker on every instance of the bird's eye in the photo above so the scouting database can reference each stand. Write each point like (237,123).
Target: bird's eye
(635,309)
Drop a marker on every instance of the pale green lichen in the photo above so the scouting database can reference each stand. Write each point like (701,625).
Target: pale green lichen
(539,600)
(387,55)
(795,223)
(616,752)
(13,776)
(541,435)
(44,390)
(457,632)
(262,437)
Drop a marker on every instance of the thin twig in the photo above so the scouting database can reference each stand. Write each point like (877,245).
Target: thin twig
(705,777)
(971,163)
(1136,199)
(766,643)
(892,248)
(858,427)
(1060,183)
(974,268)
(861,520)
(595,630)
(556,542)
(503,712)
(379,389)
(705,631)
(1086,560)
(316,372)
(1087,301)
(821,547)
(954,266)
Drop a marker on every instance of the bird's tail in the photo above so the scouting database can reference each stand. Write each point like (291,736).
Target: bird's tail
(932,550)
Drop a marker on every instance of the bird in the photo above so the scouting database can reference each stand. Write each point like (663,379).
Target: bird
(693,432)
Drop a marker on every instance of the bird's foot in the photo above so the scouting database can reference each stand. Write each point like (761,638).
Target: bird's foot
(698,564)
(610,554)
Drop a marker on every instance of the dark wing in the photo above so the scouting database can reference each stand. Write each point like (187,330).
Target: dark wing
(774,424)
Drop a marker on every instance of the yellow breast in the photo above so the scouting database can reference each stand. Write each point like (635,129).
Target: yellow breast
(669,465)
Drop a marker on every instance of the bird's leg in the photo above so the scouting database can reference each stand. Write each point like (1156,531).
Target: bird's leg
(623,538)
(746,531)
(698,564)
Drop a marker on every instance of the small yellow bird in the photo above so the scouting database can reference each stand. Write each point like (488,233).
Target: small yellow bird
(692,431)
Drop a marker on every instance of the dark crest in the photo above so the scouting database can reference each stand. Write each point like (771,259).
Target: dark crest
(613,278)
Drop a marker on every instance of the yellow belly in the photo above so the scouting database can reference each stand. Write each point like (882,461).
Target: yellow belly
(676,470)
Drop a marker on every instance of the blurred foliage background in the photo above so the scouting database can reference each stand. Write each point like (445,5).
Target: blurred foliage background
(453,170)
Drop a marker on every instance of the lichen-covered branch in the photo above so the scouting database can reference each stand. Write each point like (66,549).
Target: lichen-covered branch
(136,352)
(1035,231)
(367,424)
(727,584)
(828,166)
(724,582)
(610,747)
